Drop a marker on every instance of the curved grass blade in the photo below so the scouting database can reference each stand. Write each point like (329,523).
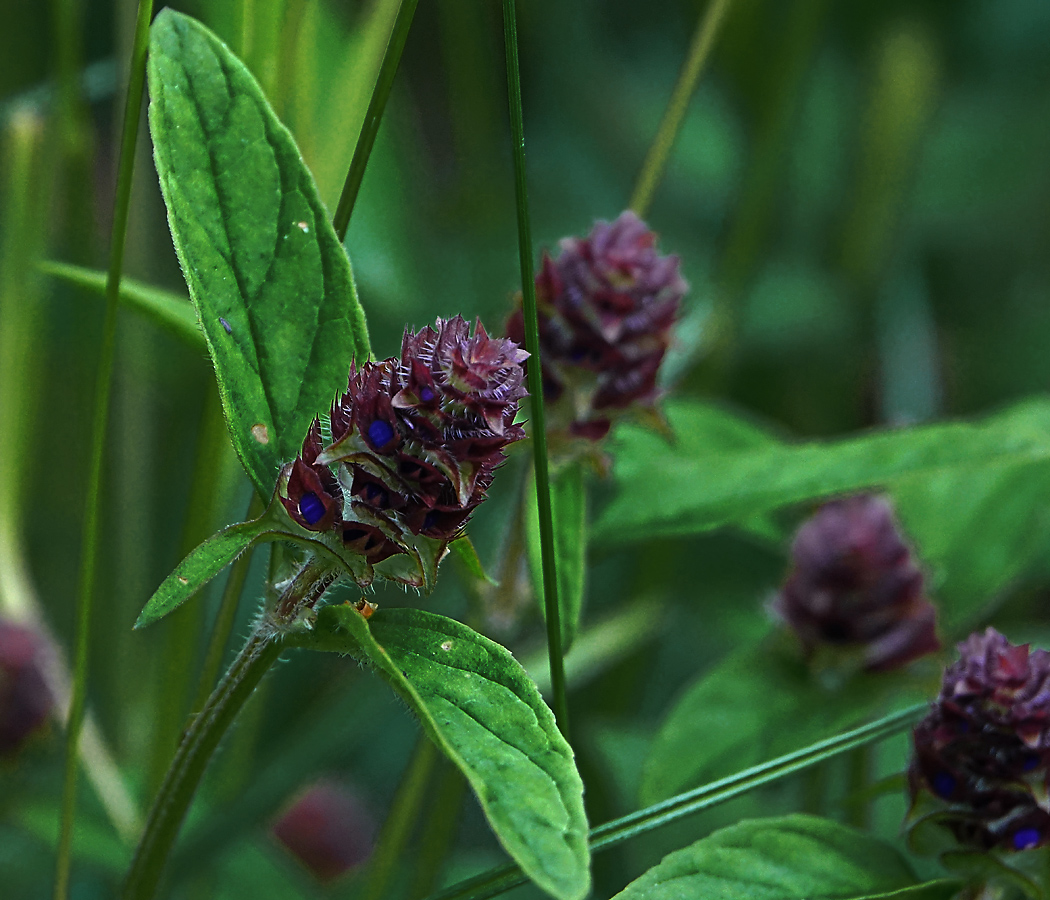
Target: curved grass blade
(481,708)
(271,283)
(171,311)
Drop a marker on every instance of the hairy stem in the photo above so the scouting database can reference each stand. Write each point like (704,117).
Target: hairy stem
(535,375)
(90,542)
(191,759)
(208,727)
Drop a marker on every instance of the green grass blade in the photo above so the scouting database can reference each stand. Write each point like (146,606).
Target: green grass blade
(366,140)
(90,542)
(535,374)
(660,149)
(172,312)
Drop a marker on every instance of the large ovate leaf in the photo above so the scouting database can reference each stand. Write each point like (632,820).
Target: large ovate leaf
(786,858)
(569,512)
(758,703)
(270,280)
(683,488)
(976,526)
(480,707)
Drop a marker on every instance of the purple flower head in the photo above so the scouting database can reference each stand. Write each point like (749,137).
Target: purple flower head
(984,747)
(606,307)
(855,584)
(416,440)
(25,700)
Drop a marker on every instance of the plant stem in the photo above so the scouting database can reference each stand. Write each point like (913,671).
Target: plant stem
(207,728)
(200,740)
(535,374)
(497,881)
(404,813)
(90,540)
(674,115)
(370,128)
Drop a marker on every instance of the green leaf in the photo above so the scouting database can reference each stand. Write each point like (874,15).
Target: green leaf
(784,859)
(171,311)
(977,530)
(201,566)
(271,283)
(480,707)
(758,703)
(685,489)
(569,510)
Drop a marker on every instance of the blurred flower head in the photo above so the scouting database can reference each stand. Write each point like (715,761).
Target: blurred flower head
(415,443)
(854,585)
(25,700)
(984,748)
(327,829)
(606,308)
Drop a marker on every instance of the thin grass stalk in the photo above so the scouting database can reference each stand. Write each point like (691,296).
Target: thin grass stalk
(399,824)
(499,880)
(90,540)
(535,374)
(439,831)
(660,149)
(24,201)
(370,127)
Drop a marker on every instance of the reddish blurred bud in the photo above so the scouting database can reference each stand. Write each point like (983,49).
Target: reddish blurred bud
(606,305)
(984,747)
(25,700)
(854,584)
(327,829)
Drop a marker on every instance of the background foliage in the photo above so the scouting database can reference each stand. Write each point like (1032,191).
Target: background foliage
(860,199)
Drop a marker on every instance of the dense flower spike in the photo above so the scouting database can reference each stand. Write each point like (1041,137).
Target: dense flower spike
(854,584)
(984,747)
(606,308)
(416,441)
(25,700)
(327,829)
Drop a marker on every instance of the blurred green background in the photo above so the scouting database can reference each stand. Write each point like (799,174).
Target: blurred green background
(861,203)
